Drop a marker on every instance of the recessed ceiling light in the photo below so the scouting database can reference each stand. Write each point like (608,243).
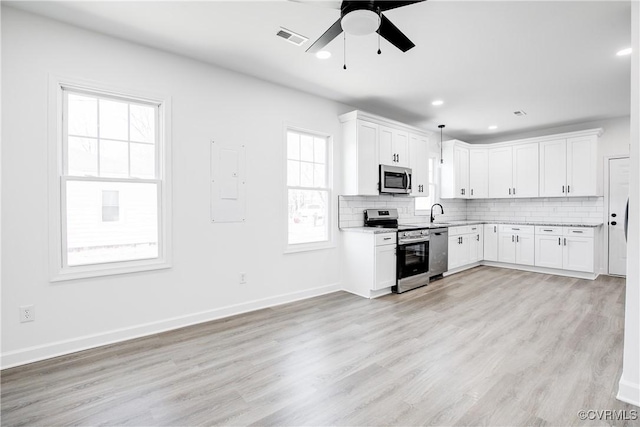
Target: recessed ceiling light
(323,54)
(437,102)
(493,127)
(623,52)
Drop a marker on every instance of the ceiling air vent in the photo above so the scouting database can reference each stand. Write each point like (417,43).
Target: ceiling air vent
(520,113)
(291,37)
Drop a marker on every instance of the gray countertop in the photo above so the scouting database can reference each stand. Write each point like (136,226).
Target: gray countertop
(375,230)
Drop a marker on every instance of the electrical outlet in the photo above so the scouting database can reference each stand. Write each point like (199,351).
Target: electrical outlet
(243,278)
(27,313)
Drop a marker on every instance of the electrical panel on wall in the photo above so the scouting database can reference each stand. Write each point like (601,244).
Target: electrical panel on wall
(228,184)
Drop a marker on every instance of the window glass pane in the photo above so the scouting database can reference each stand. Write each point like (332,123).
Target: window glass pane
(110,198)
(293,173)
(306,148)
(319,179)
(306,174)
(114,120)
(143,161)
(308,216)
(142,123)
(90,240)
(82,117)
(293,146)
(114,159)
(319,150)
(82,156)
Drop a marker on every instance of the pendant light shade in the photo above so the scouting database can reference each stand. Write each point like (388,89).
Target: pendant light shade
(441,159)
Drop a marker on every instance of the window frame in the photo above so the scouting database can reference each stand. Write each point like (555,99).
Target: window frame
(433,188)
(58,269)
(308,246)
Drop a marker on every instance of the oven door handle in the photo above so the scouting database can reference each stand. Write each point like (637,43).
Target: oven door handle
(409,242)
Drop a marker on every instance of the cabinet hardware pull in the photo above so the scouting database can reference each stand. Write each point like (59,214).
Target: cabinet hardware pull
(398,156)
(547,230)
(514,191)
(517,239)
(515,229)
(563,189)
(565,241)
(495,228)
(478,237)
(568,189)
(472,191)
(559,241)
(578,231)
(509,191)
(513,238)
(386,238)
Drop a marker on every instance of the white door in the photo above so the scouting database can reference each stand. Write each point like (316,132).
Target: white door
(478,173)
(461,170)
(507,248)
(525,170)
(525,249)
(454,252)
(548,251)
(385,146)
(578,254)
(385,266)
(490,242)
(553,168)
(581,166)
(401,148)
(500,172)
(618,196)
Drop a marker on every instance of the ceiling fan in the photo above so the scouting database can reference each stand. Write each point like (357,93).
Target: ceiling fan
(365,17)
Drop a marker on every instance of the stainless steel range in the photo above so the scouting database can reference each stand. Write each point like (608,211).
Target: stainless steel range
(412,253)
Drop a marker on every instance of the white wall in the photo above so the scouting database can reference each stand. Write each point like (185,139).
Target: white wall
(208,103)
(629,388)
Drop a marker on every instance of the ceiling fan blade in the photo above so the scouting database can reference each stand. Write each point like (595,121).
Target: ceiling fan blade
(388,5)
(394,35)
(324,39)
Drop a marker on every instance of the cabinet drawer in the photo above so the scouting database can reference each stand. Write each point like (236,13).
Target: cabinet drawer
(457,231)
(517,229)
(473,229)
(578,231)
(548,231)
(385,239)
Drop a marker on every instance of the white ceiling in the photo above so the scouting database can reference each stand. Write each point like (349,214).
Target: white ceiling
(485,59)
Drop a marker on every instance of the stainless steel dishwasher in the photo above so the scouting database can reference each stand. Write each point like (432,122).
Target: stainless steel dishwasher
(438,252)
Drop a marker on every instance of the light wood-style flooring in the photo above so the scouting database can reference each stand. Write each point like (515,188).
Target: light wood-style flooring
(487,346)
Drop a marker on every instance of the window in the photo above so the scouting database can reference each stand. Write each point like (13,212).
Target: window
(423,204)
(112,182)
(308,190)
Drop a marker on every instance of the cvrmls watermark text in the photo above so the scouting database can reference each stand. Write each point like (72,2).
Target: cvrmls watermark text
(608,415)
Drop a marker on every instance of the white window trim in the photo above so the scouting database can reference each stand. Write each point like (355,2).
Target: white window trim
(55,157)
(435,184)
(313,246)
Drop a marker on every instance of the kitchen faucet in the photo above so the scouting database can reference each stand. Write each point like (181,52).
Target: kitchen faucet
(441,210)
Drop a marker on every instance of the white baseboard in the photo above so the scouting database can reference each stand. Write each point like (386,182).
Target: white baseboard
(534,269)
(628,392)
(60,348)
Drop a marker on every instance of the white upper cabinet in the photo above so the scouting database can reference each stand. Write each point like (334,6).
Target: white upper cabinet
(455,170)
(394,147)
(419,157)
(553,168)
(369,141)
(478,173)
(562,165)
(525,170)
(582,166)
(500,172)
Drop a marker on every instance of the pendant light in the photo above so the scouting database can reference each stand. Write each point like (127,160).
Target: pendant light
(441,159)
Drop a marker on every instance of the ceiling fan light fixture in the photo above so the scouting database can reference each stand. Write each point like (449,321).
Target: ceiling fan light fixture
(323,54)
(360,22)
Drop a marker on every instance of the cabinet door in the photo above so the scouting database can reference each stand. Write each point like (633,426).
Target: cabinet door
(507,248)
(419,156)
(525,170)
(478,173)
(461,171)
(455,252)
(490,242)
(578,254)
(367,172)
(548,251)
(500,172)
(385,267)
(479,236)
(401,148)
(582,166)
(553,168)
(385,146)
(466,248)
(525,249)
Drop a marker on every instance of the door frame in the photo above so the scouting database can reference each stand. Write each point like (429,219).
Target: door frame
(605,255)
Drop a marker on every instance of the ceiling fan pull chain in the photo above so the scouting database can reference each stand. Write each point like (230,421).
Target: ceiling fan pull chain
(345,51)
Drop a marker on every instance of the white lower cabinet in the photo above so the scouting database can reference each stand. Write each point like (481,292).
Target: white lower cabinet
(490,242)
(370,262)
(385,262)
(566,248)
(465,245)
(549,247)
(517,244)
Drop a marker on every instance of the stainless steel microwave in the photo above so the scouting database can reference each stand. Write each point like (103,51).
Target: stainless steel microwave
(395,180)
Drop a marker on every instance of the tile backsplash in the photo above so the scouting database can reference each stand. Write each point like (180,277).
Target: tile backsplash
(574,209)
(351,209)
(564,209)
